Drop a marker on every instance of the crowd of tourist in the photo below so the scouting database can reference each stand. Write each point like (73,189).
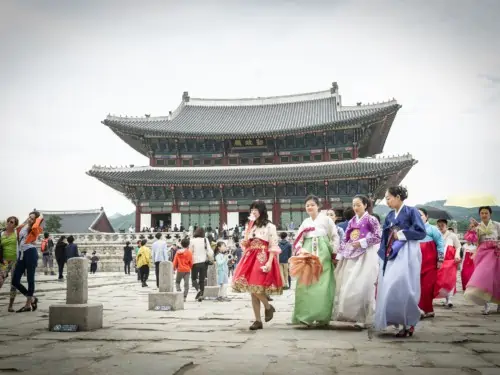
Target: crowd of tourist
(360,271)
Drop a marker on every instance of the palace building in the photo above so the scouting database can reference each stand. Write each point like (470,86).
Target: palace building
(210,158)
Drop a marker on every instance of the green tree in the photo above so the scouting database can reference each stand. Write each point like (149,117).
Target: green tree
(53,224)
(3,224)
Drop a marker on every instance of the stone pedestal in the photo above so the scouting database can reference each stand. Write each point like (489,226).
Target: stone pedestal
(166,299)
(211,292)
(77,311)
(87,316)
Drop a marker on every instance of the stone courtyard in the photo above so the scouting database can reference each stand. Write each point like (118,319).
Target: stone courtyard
(213,337)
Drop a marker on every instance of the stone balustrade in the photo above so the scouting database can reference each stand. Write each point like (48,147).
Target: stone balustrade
(109,246)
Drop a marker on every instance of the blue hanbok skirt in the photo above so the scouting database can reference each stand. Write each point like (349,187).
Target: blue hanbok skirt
(398,289)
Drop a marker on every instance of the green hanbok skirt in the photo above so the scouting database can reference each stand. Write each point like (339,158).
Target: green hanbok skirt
(314,303)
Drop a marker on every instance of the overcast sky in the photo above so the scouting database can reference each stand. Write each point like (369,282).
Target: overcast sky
(64,65)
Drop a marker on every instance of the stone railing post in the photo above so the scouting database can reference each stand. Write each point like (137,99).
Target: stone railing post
(77,281)
(166,299)
(76,313)
(166,275)
(211,289)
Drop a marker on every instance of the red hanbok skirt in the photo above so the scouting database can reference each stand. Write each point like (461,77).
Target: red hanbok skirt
(467,269)
(248,275)
(446,275)
(428,275)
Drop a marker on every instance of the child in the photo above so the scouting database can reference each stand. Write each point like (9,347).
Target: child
(183,262)
(93,263)
(221,260)
(144,262)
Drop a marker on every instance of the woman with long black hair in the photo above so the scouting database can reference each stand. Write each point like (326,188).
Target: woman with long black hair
(258,272)
(60,253)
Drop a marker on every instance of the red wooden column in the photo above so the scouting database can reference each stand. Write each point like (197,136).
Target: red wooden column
(175,206)
(326,204)
(223,209)
(276,213)
(137,218)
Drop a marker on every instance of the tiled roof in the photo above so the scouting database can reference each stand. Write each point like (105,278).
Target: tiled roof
(79,221)
(359,168)
(250,117)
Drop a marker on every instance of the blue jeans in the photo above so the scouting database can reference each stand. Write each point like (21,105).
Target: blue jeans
(28,264)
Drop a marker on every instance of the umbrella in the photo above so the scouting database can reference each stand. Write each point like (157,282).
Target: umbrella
(472,201)
(436,213)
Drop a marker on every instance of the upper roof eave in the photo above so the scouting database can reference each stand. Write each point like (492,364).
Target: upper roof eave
(123,126)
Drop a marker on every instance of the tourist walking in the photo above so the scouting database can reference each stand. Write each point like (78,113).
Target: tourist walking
(137,269)
(258,272)
(284,257)
(127,257)
(93,263)
(447,274)
(203,255)
(398,288)
(27,259)
(358,266)
(318,236)
(331,214)
(221,260)
(467,268)
(348,214)
(71,250)
(144,262)
(47,249)
(8,256)
(432,249)
(159,254)
(484,284)
(60,253)
(183,263)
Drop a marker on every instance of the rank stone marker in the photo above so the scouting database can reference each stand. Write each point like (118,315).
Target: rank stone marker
(211,289)
(166,299)
(76,312)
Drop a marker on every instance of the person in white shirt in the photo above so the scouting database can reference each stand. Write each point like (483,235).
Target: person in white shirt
(159,254)
(202,256)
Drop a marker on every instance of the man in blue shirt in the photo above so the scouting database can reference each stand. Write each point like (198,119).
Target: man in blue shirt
(286,253)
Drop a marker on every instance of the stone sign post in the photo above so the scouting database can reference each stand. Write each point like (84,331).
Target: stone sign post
(211,289)
(77,311)
(166,299)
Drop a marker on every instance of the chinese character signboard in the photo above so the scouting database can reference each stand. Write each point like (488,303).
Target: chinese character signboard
(247,143)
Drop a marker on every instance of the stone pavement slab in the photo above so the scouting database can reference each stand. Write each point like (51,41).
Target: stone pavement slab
(212,337)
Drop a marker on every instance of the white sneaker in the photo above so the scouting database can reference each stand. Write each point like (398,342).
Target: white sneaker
(486,310)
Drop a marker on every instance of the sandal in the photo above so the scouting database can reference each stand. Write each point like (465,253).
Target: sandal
(25,309)
(406,332)
(34,304)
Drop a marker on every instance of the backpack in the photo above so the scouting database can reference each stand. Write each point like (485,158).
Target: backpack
(45,245)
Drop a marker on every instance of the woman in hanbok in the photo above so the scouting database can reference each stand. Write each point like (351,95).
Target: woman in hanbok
(467,268)
(317,235)
(446,283)
(432,248)
(484,285)
(398,288)
(258,272)
(357,268)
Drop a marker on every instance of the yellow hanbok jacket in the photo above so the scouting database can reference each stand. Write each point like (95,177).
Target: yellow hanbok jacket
(144,257)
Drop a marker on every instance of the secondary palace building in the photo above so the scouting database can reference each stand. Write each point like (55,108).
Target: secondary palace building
(209,159)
